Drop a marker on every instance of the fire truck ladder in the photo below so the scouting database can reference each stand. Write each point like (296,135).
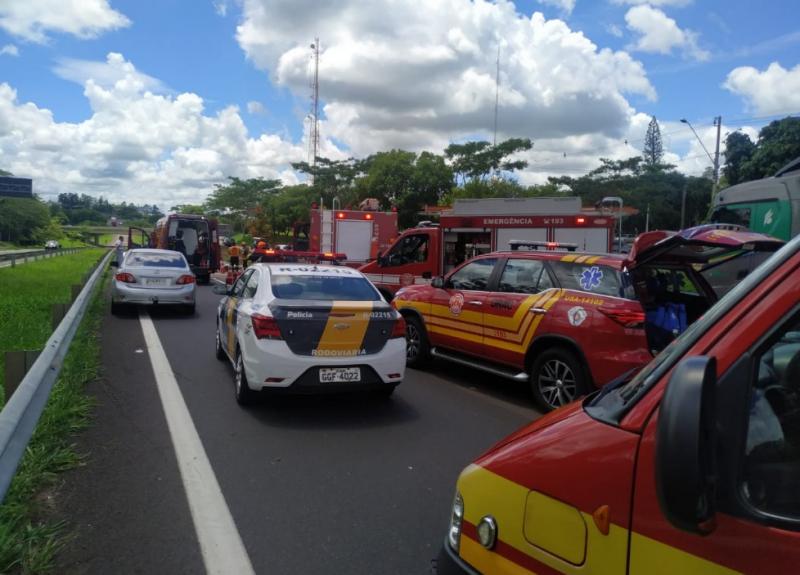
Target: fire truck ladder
(326,231)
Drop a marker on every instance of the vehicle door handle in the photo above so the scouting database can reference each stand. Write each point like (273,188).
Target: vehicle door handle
(538,310)
(475,302)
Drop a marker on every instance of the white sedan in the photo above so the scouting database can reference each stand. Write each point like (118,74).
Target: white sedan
(153,277)
(305,328)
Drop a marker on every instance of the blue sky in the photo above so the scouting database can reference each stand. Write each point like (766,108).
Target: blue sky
(199,90)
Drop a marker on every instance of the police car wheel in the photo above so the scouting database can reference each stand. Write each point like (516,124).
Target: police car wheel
(557,378)
(244,395)
(220,352)
(417,346)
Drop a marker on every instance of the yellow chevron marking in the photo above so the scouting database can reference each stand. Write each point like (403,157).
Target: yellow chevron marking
(351,318)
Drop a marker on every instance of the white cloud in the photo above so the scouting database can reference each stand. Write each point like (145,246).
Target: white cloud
(220,7)
(255,108)
(33,19)
(776,90)
(107,74)
(660,34)
(424,78)
(614,30)
(136,145)
(566,6)
(9,50)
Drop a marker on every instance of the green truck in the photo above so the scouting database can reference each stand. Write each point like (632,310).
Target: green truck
(769,206)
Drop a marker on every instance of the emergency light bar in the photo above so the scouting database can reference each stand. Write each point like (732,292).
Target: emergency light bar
(516,244)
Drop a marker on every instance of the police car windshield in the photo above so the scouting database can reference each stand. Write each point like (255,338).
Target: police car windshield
(327,287)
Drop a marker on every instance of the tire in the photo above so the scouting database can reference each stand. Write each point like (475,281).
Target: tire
(244,395)
(116,308)
(418,350)
(385,392)
(189,309)
(558,377)
(220,352)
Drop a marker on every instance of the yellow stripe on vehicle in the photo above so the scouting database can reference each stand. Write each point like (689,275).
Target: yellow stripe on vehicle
(651,557)
(230,312)
(347,323)
(593,259)
(569,258)
(486,493)
(474,338)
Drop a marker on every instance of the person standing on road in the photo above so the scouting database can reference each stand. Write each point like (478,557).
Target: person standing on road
(233,254)
(118,250)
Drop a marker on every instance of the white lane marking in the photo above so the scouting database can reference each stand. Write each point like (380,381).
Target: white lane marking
(222,548)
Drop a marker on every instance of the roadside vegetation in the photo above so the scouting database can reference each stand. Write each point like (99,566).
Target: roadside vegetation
(27,543)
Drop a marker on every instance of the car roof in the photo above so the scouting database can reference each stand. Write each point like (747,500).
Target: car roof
(153,251)
(613,260)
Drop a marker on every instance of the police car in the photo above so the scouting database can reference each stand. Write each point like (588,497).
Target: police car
(309,328)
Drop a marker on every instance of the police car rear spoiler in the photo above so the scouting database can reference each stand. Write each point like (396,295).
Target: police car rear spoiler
(551,246)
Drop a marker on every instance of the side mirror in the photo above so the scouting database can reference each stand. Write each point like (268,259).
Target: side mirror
(685,465)
(438,282)
(220,289)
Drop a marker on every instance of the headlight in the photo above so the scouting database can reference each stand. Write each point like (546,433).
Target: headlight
(454,533)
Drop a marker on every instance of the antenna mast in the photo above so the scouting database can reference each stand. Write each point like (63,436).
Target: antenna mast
(314,144)
(496,94)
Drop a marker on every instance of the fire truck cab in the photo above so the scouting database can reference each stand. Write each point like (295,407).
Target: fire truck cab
(477,226)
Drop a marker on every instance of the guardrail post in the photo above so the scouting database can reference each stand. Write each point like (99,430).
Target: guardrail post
(17,365)
(13,260)
(58,312)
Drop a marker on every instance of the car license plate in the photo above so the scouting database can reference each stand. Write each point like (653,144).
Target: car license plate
(339,374)
(155,281)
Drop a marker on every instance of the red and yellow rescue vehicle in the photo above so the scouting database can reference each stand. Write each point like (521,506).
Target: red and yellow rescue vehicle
(692,466)
(475,227)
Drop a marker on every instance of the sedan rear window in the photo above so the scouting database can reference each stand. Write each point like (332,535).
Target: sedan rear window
(324,288)
(155,260)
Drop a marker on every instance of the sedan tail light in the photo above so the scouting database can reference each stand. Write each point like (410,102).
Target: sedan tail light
(625,317)
(265,327)
(125,277)
(185,279)
(399,328)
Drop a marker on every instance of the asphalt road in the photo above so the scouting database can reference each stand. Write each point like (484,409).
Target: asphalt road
(335,484)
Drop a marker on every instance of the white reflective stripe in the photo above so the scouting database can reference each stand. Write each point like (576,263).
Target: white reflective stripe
(422,281)
(383,278)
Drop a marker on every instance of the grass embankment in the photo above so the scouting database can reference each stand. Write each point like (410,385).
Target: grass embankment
(27,544)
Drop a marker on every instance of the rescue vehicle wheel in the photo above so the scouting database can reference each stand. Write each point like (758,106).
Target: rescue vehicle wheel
(244,395)
(557,378)
(221,355)
(417,347)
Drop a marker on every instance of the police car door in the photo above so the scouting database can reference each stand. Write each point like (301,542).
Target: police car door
(229,317)
(244,326)
(516,308)
(458,309)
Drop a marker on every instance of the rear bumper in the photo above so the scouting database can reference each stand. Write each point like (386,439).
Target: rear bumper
(124,293)
(449,563)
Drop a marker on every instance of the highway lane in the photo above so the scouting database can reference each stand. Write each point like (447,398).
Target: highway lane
(335,484)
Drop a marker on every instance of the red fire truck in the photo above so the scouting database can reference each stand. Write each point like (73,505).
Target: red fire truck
(360,234)
(477,226)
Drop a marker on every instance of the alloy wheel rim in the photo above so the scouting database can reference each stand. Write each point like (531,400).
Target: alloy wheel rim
(239,374)
(557,383)
(412,342)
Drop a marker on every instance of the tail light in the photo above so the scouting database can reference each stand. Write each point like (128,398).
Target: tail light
(185,279)
(399,329)
(125,277)
(625,317)
(265,327)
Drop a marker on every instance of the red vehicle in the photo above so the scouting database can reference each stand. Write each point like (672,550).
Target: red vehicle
(192,235)
(691,466)
(475,227)
(569,322)
(360,234)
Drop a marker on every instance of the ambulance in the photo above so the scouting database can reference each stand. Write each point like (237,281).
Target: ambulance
(690,466)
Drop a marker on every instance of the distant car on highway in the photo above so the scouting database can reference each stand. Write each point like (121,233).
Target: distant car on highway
(307,328)
(153,277)
(51,245)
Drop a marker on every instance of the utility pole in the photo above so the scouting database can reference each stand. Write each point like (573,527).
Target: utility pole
(718,124)
(314,144)
(496,95)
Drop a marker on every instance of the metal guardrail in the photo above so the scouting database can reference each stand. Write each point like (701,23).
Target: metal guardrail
(24,256)
(23,409)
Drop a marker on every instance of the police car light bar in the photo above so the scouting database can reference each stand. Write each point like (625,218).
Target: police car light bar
(516,244)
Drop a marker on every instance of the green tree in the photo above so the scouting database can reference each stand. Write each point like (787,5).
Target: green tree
(334,179)
(23,220)
(778,144)
(5,173)
(196,209)
(478,160)
(653,148)
(240,199)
